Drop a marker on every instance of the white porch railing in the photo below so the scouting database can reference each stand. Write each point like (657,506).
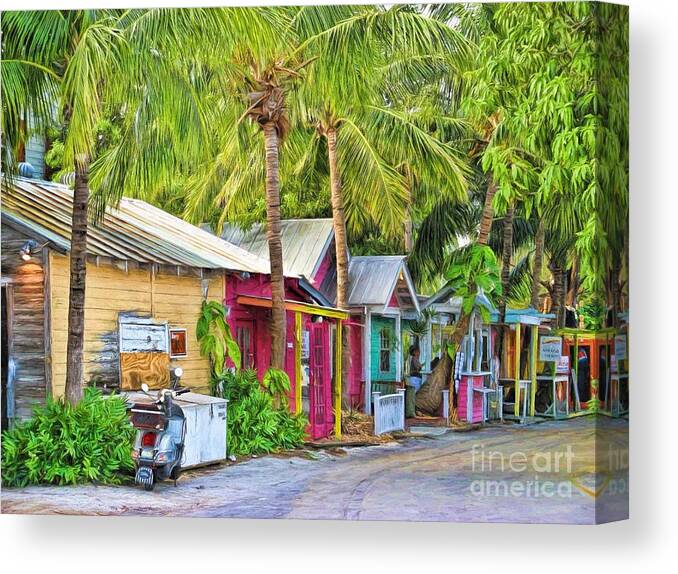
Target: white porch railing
(389,412)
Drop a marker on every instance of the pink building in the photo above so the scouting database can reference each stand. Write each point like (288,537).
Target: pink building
(312,322)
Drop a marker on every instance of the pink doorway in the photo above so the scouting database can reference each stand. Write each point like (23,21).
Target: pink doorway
(320,384)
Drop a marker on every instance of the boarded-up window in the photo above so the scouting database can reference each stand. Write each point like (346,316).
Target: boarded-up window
(144,353)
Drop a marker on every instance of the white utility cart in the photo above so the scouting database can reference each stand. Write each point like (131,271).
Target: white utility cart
(205,441)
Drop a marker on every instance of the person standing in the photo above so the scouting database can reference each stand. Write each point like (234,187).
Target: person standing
(415,368)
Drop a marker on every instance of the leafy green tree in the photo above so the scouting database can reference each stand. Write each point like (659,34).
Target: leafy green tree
(570,117)
(548,96)
(474,278)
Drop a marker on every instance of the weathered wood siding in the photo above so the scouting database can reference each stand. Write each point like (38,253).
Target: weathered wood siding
(27,347)
(112,291)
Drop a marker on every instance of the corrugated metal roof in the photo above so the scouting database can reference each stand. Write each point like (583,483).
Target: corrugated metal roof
(372,281)
(446,296)
(304,241)
(135,231)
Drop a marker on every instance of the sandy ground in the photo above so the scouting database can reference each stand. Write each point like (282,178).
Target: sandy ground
(573,471)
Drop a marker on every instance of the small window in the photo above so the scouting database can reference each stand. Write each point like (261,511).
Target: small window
(384,351)
(178,344)
(244,336)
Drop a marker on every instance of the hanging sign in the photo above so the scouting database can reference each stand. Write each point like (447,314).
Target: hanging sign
(620,347)
(550,348)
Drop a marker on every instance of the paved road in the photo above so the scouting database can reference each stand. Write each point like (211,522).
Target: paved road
(504,473)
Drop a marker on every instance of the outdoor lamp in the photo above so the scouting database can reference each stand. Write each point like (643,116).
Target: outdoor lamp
(27,249)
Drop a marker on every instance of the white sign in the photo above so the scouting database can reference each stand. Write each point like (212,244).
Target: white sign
(620,347)
(550,348)
(143,338)
(563,365)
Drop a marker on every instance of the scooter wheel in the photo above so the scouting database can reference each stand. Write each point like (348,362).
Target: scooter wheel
(148,486)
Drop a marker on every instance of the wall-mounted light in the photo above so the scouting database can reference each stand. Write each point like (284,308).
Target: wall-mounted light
(29,249)
(205,286)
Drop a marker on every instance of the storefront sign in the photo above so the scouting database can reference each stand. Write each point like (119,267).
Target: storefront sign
(563,365)
(550,348)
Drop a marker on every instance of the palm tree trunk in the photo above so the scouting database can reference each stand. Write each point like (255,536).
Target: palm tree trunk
(488,213)
(506,253)
(536,268)
(341,248)
(614,294)
(572,283)
(78,276)
(275,246)
(557,296)
(408,239)
(430,396)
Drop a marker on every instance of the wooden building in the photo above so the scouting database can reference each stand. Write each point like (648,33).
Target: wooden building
(381,295)
(314,327)
(147,275)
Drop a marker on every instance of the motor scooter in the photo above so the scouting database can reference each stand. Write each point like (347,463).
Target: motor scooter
(161,430)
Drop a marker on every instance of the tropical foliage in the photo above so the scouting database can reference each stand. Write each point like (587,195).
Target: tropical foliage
(259,421)
(65,444)
(416,128)
(214,336)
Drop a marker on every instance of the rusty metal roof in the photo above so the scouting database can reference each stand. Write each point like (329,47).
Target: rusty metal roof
(134,231)
(304,241)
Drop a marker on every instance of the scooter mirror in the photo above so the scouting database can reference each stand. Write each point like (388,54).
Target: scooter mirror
(144,387)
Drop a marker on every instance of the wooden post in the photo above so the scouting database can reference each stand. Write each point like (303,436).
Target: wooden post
(516,374)
(367,361)
(47,310)
(533,368)
(337,379)
(401,392)
(576,371)
(376,397)
(297,361)
(398,350)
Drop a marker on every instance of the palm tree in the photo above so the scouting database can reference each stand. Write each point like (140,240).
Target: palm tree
(537,265)
(218,96)
(75,66)
(373,150)
(72,55)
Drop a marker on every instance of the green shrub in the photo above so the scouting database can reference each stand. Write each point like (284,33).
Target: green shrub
(63,444)
(255,424)
(277,383)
